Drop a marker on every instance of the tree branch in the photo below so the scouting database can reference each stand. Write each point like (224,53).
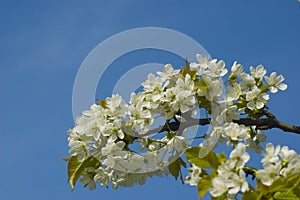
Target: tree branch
(269,123)
(261,124)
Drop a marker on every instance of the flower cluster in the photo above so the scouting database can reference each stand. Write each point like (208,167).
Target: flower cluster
(231,177)
(278,162)
(117,134)
(107,130)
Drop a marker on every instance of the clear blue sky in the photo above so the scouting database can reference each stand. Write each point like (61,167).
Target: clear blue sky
(43,43)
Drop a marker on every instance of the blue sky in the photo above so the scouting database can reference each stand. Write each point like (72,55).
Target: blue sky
(43,43)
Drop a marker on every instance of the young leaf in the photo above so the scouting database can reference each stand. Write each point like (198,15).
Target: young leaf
(192,155)
(250,195)
(222,197)
(175,166)
(281,183)
(211,160)
(203,185)
(221,157)
(76,168)
(288,195)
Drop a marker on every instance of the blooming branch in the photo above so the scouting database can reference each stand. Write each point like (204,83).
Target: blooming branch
(112,144)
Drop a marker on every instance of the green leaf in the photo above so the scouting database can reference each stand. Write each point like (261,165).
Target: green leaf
(211,160)
(293,179)
(250,195)
(203,185)
(192,155)
(182,163)
(221,157)
(222,197)
(175,168)
(288,195)
(282,188)
(277,185)
(285,183)
(76,168)
(297,191)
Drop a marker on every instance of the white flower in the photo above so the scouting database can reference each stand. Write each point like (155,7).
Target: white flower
(259,72)
(274,167)
(229,113)
(201,65)
(115,161)
(208,67)
(113,130)
(274,82)
(271,155)
(237,70)
(78,148)
(177,143)
(240,155)
(247,82)
(184,101)
(236,132)
(168,72)
(226,168)
(256,99)
(219,186)
(182,95)
(185,84)
(203,60)
(140,113)
(111,147)
(193,177)
(269,173)
(293,166)
(286,154)
(116,106)
(290,160)
(229,179)
(215,69)
(233,92)
(237,183)
(91,123)
(213,89)
(151,160)
(153,83)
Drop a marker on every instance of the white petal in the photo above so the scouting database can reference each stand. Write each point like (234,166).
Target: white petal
(282,86)
(259,105)
(273,89)
(234,190)
(251,105)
